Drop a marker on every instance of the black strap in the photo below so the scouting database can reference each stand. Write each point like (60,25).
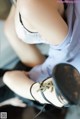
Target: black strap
(32,93)
(65,5)
(46,98)
(41,93)
(23,24)
(37,101)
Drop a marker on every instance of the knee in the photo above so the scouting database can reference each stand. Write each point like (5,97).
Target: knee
(7,78)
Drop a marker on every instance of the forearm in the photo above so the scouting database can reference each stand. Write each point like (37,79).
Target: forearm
(7,102)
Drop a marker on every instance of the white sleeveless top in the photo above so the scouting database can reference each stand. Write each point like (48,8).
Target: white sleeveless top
(31,38)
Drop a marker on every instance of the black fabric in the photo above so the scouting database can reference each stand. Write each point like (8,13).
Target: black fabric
(20,66)
(5,94)
(67,79)
(65,4)
(2,71)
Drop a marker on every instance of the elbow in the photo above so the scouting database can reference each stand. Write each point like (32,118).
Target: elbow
(7,29)
(35,62)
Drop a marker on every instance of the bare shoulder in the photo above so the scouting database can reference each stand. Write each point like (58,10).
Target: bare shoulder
(45,13)
(30,6)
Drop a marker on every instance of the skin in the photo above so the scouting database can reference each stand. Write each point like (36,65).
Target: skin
(45,13)
(14,102)
(35,14)
(28,54)
(20,83)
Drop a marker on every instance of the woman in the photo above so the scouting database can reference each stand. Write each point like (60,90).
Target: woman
(34,56)
(61,90)
(47,22)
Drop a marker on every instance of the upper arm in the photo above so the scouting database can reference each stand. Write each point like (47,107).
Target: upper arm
(46,19)
(29,54)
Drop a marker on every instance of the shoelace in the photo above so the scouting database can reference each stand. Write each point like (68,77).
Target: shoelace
(43,87)
(39,112)
(46,85)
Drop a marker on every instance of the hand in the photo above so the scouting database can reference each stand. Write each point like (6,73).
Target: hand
(17,102)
